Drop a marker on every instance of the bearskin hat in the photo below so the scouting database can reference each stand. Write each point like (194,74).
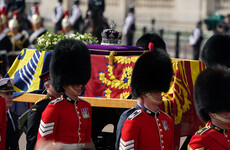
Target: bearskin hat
(211,92)
(131,8)
(70,64)
(144,40)
(152,72)
(217,51)
(76,2)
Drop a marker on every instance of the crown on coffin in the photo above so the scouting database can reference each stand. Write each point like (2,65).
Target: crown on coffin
(111,36)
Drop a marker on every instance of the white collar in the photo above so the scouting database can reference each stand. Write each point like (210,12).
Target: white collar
(17,36)
(2,35)
(35,34)
(6,30)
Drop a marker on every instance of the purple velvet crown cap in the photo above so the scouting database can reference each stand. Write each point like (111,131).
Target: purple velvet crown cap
(111,36)
(121,49)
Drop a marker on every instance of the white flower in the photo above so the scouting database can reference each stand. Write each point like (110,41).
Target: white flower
(47,43)
(77,38)
(81,36)
(54,43)
(71,36)
(50,40)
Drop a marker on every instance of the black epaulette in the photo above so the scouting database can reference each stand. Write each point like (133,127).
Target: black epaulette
(203,130)
(134,114)
(56,100)
(41,99)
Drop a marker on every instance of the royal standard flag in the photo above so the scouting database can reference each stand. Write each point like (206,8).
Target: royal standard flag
(27,68)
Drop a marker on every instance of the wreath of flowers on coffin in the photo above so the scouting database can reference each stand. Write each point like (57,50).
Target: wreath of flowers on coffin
(49,40)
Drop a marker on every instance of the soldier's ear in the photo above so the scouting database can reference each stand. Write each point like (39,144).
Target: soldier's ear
(47,85)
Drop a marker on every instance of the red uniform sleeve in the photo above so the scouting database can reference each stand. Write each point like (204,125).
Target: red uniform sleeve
(197,142)
(129,135)
(2,123)
(48,123)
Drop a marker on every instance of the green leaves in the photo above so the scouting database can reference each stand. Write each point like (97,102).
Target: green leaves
(48,41)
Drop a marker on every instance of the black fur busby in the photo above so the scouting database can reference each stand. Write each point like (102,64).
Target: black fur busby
(217,51)
(76,2)
(131,8)
(70,64)
(152,72)
(211,92)
(144,41)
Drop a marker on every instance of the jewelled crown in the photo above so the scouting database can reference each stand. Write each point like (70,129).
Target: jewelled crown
(111,36)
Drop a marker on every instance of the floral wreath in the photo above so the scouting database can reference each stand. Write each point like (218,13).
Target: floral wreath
(48,41)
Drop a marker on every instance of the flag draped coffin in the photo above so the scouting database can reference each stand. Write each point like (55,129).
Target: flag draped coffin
(113,81)
(27,68)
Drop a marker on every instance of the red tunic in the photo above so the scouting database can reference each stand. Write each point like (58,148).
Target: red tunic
(2,123)
(66,122)
(210,138)
(146,130)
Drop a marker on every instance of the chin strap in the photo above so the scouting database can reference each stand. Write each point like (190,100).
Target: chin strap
(218,117)
(73,90)
(152,98)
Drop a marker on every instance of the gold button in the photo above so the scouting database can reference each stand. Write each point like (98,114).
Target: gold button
(160,130)
(159,124)
(163,147)
(161,135)
(228,141)
(162,141)
(157,119)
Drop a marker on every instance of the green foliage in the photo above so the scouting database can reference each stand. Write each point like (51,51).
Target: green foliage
(48,41)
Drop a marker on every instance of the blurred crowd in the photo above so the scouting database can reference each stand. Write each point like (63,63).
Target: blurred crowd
(19,30)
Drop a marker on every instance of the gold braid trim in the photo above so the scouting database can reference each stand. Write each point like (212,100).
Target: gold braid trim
(200,148)
(20,44)
(41,99)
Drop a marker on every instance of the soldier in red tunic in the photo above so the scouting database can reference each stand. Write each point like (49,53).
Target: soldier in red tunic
(212,103)
(35,112)
(67,119)
(2,123)
(149,128)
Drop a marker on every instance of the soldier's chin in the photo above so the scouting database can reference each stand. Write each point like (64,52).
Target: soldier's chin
(78,92)
(9,104)
(157,101)
(75,91)
(220,118)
